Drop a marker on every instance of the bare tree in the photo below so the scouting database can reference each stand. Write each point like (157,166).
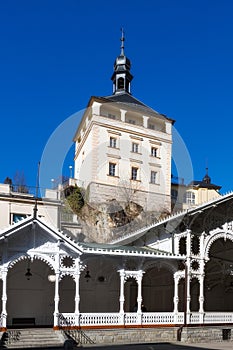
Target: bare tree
(20,182)
(128,190)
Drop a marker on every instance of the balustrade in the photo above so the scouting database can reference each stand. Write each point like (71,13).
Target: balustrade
(146,318)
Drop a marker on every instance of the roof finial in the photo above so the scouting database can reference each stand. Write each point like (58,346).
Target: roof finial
(36,196)
(122,42)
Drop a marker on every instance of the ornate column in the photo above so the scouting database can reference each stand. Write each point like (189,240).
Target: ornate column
(56,292)
(139,298)
(201,298)
(176,296)
(139,282)
(187,276)
(4,297)
(122,295)
(137,275)
(201,278)
(77,294)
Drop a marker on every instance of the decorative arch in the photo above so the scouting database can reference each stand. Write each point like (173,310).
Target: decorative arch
(162,264)
(19,257)
(218,282)
(214,237)
(30,296)
(158,286)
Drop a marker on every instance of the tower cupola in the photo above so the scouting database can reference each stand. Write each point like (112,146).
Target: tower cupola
(121,76)
(206,179)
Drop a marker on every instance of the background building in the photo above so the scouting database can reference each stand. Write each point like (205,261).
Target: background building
(195,193)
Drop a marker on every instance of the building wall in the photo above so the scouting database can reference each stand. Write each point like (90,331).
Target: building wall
(15,206)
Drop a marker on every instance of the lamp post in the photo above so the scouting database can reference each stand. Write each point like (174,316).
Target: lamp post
(70,167)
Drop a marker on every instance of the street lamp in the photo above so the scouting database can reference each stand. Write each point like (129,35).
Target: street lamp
(70,167)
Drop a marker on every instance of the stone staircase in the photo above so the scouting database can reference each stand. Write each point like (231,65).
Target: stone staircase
(33,338)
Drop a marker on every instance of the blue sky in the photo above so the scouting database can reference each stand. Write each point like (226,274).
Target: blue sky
(56,54)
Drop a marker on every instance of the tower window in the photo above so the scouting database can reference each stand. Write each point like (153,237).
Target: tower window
(153,177)
(112,169)
(112,142)
(135,147)
(120,83)
(154,151)
(134,173)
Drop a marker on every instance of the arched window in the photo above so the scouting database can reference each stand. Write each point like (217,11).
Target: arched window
(189,197)
(120,83)
(182,246)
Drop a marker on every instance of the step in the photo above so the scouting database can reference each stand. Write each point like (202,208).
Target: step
(40,337)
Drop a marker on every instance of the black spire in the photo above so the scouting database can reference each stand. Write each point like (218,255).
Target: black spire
(206,179)
(121,76)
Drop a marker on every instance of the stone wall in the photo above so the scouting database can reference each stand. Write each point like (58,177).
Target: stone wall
(137,335)
(161,334)
(207,333)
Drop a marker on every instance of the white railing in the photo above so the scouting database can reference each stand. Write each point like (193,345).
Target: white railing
(218,317)
(67,320)
(146,318)
(99,319)
(131,318)
(158,318)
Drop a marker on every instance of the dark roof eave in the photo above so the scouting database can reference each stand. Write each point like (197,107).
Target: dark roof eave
(146,252)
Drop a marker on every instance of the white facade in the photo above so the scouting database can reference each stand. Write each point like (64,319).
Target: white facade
(109,150)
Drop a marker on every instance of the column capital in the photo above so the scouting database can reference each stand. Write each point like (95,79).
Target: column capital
(136,274)
(121,272)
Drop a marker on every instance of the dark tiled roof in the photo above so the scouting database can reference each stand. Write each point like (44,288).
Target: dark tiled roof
(203,184)
(127,99)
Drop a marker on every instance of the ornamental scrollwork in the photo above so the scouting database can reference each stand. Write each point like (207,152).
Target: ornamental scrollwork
(211,239)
